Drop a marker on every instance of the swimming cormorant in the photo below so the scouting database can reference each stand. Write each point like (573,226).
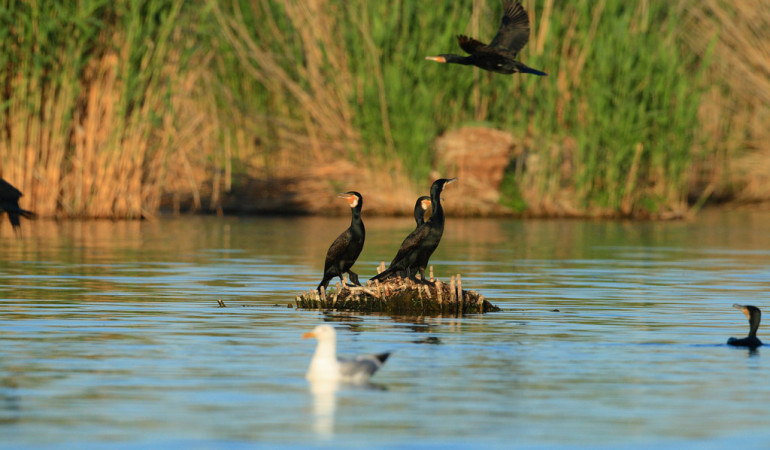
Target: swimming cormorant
(417,248)
(499,55)
(754,315)
(345,249)
(9,203)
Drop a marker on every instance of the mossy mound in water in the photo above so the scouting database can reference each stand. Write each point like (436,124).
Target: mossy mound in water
(400,296)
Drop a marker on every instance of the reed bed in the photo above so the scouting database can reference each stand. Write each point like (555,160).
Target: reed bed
(88,104)
(732,155)
(107,107)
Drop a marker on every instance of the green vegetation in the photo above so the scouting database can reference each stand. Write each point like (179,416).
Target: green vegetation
(620,84)
(106,106)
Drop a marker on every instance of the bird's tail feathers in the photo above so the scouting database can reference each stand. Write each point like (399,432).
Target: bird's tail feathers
(27,214)
(383,275)
(382,357)
(533,71)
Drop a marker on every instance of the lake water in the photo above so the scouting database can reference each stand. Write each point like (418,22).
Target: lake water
(612,333)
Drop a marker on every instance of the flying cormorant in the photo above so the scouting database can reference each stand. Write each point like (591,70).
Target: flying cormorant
(499,55)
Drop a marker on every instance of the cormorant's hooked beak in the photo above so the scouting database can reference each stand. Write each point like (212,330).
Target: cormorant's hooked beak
(440,59)
(451,180)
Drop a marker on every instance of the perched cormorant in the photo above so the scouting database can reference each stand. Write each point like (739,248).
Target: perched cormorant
(9,202)
(345,249)
(422,205)
(499,56)
(417,248)
(754,315)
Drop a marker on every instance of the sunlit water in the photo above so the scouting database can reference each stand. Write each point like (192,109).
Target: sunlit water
(612,333)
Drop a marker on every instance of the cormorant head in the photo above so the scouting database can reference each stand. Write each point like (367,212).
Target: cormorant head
(424,202)
(354,198)
(752,313)
(439,184)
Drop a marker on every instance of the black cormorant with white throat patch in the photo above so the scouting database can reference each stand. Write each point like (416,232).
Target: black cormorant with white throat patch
(417,248)
(345,249)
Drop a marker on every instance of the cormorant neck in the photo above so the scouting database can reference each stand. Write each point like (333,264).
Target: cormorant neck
(356,212)
(356,224)
(459,59)
(438,210)
(418,216)
(754,325)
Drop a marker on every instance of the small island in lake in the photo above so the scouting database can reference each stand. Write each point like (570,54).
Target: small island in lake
(400,295)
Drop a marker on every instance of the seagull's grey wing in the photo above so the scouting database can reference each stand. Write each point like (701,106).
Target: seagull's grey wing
(362,366)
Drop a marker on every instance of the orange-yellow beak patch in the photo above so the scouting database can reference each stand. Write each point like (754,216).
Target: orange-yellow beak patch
(352,199)
(746,313)
(308,335)
(440,59)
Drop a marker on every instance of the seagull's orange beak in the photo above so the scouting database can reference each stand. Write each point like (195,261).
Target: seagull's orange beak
(308,335)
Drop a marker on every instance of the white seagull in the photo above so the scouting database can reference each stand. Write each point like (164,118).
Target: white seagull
(325,364)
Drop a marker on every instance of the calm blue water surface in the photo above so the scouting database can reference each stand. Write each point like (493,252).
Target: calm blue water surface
(612,333)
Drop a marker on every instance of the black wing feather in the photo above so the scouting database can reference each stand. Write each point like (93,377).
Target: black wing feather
(468,44)
(337,249)
(513,34)
(411,243)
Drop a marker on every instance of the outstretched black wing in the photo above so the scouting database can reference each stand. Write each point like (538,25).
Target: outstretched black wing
(468,44)
(513,34)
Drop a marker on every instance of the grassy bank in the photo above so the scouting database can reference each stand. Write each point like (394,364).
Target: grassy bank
(109,106)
